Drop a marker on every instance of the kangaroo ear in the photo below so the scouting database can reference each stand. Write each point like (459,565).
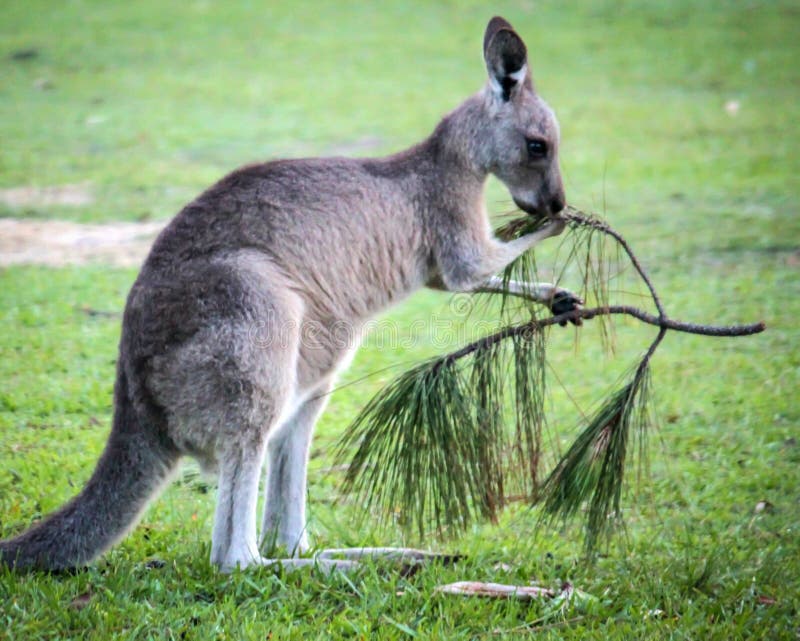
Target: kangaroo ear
(506,58)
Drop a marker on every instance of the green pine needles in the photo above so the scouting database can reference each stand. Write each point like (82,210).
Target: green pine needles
(433,448)
(592,470)
(455,438)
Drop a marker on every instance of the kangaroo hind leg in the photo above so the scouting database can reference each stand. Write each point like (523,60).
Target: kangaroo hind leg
(234,539)
(231,400)
(284,521)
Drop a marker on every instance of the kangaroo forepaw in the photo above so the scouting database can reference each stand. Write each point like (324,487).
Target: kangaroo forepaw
(565,301)
(556,226)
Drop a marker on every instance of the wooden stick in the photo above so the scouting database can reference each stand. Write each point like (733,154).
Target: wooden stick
(586,314)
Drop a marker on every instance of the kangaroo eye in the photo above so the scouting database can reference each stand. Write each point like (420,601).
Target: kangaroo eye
(537,149)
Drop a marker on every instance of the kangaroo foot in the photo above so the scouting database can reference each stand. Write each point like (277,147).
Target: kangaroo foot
(410,560)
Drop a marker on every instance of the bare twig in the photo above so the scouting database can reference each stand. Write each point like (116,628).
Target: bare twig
(664,323)
(582,219)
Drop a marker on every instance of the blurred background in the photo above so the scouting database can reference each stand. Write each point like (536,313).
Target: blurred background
(143,104)
(679,125)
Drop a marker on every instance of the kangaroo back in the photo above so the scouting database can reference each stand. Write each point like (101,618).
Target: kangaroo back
(134,464)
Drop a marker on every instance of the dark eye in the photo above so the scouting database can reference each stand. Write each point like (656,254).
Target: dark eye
(537,149)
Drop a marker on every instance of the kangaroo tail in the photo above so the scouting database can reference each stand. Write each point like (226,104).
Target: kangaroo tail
(135,463)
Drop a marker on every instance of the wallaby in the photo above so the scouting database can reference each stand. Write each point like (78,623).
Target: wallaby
(214,361)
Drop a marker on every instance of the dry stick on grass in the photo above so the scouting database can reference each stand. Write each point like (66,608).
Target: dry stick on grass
(432,447)
(498,590)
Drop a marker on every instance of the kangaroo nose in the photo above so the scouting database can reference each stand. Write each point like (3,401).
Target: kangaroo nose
(557,204)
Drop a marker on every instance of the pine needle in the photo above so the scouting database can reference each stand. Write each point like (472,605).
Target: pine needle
(594,467)
(529,402)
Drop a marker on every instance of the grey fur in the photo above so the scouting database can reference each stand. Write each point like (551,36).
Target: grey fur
(215,360)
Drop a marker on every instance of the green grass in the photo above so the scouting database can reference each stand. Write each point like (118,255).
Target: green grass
(150,102)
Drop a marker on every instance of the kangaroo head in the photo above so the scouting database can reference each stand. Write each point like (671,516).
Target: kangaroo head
(520,133)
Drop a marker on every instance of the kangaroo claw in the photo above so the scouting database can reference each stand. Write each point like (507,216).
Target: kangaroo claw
(565,301)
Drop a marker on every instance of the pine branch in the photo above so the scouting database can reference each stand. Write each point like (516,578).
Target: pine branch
(433,449)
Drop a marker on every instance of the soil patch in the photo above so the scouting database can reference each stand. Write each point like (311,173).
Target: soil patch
(71,195)
(57,243)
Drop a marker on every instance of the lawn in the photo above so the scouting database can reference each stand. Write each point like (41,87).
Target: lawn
(679,125)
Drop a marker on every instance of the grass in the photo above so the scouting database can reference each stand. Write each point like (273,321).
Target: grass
(147,103)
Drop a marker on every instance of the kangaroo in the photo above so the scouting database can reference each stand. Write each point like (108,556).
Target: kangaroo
(214,362)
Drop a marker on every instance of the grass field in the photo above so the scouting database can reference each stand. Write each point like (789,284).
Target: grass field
(679,124)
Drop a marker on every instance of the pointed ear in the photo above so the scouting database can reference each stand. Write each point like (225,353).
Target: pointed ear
(506,58)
